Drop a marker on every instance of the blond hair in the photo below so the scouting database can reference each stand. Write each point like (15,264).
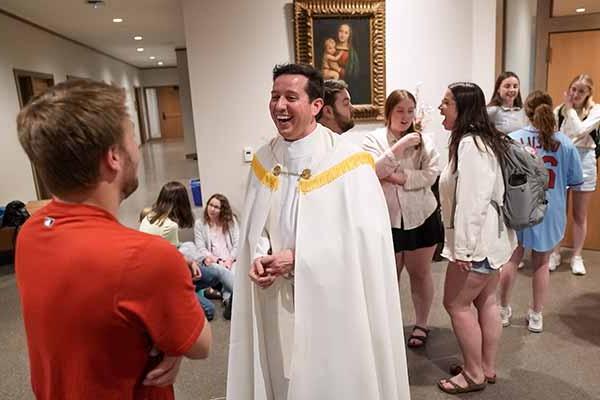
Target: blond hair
(589,83)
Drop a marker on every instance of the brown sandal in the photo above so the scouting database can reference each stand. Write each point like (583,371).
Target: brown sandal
(456,389)
(456,369)
(422,340)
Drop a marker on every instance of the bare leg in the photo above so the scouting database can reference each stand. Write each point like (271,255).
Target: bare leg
(399,264)
(491,328)
(581,203)
(460,290)
(508,275)
(541,279)
(418,265)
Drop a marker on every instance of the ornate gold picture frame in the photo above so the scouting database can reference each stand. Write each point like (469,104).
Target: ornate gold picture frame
(346,40)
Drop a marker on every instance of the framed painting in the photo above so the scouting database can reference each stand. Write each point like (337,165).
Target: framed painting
(346,40)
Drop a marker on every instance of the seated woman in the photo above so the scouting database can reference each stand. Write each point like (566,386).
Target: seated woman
(216,235)
(170,212)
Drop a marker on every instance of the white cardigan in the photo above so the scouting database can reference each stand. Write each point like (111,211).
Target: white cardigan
(578,130)
(413,202)
(471,222)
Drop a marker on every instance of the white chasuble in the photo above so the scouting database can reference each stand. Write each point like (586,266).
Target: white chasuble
(335,331)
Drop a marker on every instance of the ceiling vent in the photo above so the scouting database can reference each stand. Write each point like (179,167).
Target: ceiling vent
(95,3)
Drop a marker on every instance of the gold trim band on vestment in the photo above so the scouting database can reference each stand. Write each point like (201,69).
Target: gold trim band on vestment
(268,179)
(265,177)
(328,176)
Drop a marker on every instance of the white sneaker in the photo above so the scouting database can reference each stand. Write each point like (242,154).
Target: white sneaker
(505,314)
(577,266)
(535,321)
(521,265)
(554,261)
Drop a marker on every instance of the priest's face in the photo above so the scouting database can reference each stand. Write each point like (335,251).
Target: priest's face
(291,109)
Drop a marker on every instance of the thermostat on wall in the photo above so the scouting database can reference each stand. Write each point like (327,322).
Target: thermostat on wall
(248,154)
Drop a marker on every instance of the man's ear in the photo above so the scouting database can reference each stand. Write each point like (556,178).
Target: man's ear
(112,158)
(328,111)
(317,105)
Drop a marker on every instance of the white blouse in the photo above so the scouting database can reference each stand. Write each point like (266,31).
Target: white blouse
(507,119)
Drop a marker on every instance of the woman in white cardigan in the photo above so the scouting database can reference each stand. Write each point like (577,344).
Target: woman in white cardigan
(477,240)
(407,164)
(579,118)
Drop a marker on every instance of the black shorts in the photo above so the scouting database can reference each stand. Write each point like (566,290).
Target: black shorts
(428,234)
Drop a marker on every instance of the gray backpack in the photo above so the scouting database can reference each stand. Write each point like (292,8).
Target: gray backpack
(525,185)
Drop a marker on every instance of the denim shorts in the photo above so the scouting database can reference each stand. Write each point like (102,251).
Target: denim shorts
(588,165)
(482,267)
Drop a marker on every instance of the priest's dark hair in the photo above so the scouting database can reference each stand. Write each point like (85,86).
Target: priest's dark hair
(314,86)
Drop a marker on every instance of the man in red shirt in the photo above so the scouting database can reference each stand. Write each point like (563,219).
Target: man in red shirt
(109,311)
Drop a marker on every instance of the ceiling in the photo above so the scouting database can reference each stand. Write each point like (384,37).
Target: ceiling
(567,7)
(160,22)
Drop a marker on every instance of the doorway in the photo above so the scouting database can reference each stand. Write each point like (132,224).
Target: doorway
(140,113)
(164,112)
(571,54)
(29,85)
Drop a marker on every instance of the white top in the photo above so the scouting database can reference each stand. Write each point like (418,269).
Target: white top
(578,130)
(297,156)
(471,222)
(218,243)
(507,119)
(413,202)
(167,230)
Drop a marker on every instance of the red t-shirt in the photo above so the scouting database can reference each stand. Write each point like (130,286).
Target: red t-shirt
(96,296)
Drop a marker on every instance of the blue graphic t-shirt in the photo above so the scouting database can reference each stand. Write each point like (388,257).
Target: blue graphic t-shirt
(564,169)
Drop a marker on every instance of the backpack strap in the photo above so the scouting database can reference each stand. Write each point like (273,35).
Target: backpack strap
(500,216)
(561,117)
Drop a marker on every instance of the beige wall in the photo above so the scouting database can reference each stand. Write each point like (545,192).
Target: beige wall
(435,42)
(519,45)
(159,77)
(189,137)
(28,48)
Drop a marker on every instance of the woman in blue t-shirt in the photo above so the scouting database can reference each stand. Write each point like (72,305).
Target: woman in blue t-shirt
(564,168)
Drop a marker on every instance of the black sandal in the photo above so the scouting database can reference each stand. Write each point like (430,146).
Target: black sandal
(421,340)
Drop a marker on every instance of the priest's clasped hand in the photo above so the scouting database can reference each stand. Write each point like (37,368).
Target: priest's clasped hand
(280,263)
(266,269)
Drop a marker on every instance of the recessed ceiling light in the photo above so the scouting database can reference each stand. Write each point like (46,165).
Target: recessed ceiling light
(140,49)
(117,19)
(580,10)
(137,38)
(160,63)
(152,58)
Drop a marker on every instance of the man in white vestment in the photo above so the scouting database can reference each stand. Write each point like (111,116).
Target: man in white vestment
(317,309)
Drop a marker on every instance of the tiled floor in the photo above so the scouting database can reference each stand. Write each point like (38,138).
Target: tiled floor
(561,363)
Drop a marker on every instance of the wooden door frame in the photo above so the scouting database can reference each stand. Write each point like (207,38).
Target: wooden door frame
(141,109)
(147,116)
(547,24)
(18,73)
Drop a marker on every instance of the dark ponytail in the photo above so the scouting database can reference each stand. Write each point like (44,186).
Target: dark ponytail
(538,107)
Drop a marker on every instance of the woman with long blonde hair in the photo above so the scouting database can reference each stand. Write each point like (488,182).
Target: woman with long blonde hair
(579,119)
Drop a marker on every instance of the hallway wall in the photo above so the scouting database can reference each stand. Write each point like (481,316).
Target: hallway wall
(435,42)
(25,47)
